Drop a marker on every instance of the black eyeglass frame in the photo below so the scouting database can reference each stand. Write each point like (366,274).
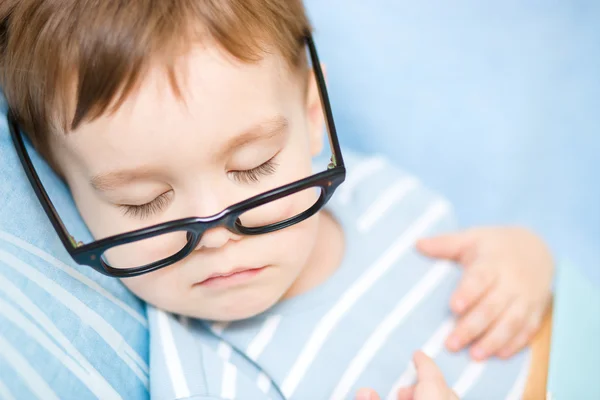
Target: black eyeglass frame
(91,254)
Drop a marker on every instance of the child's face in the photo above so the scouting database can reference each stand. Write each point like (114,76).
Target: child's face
(186,157)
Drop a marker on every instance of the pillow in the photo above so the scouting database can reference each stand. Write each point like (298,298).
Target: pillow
(66,332)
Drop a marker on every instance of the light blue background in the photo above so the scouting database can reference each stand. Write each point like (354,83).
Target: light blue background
(494,104)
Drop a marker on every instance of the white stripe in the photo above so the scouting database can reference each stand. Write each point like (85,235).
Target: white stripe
(264,336)
(516,392)
(35,333)
(435,344)
(219,327)
(224,350)
(37,385)
(5,394)
(229,378)
(468,378)
(171,354)
(384,202)
(352,294)
(184,321)
(383,331)
(105,330)
(83,370)
(72,272)
(263,382)
(359,173)
(432,348)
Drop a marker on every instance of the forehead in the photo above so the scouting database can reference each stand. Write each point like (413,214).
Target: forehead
(220,98)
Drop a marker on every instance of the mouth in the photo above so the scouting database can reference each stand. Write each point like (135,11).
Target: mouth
(235,277)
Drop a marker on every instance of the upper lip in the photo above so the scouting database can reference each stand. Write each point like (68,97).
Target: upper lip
(226,274)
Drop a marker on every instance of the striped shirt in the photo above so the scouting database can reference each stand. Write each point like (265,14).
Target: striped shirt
(358,329)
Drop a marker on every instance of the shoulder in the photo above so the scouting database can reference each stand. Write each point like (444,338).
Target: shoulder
(378,191)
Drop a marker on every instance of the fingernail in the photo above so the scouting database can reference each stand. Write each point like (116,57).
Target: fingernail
(364,394)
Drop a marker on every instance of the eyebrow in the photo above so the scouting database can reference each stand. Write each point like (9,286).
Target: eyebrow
(263,131)
(106,182)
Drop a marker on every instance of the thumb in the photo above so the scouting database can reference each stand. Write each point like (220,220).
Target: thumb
(427,370)
(453,246)
(367,394)
(430,380)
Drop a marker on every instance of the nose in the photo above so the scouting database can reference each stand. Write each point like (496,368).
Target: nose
(213,201)
(216,238)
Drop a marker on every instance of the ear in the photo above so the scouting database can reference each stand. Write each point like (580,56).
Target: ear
(316,117)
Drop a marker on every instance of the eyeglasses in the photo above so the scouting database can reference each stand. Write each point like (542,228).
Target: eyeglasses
(145,250)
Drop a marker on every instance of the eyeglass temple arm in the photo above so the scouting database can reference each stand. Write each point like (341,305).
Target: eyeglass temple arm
(333,138)
(68,241)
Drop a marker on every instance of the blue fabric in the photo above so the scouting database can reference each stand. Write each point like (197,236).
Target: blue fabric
(492,103)
(575,354)
(66,332)
(357,329)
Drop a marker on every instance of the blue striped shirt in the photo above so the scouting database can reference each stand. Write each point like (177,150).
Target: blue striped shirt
(358,329)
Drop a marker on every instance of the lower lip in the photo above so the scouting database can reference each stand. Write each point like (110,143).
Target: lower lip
(238,278)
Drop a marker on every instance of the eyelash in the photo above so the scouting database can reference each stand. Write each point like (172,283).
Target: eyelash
(253,175)
(146,210)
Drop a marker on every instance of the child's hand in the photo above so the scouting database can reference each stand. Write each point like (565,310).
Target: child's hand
(504,291)
(430,384)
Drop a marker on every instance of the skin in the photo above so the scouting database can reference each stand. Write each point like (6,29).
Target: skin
(430,385)
(505,290)
(191,157)
(193,152)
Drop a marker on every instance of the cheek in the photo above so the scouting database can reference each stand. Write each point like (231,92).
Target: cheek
(101,219)
(295,244)
(161,288)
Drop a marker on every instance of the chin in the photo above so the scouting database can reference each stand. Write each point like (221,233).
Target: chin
(231,307)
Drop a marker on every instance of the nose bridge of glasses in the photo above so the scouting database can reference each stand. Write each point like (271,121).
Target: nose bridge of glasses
(214,236)
(200,226)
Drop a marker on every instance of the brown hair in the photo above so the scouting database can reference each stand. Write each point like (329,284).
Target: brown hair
(64,62)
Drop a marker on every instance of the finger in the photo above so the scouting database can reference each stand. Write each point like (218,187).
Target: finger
(427,371)
(475,322)
(430,380)
(454,246)
(515,345)
(367,394)
(476,281)
(407,393)
(510,323)
(521,340)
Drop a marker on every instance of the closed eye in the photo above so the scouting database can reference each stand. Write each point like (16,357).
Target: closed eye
(253,175)
(149,209)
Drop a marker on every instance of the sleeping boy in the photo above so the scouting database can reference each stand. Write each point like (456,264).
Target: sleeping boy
(190,134)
